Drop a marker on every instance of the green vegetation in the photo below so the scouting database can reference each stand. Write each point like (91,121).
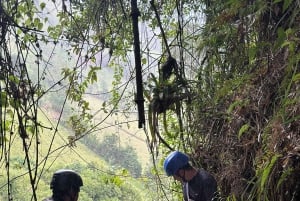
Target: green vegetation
(101,181)
(115,155)
(220,80)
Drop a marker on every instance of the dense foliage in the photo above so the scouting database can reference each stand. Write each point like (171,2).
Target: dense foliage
(221,82)
(116,155)
(252,104)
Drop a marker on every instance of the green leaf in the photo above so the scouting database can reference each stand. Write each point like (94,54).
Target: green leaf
(28,22)
(281,36)
(252,53)
(267,171)
(284,176)
(43,5)
(286,4)
(243,129)
(94,77)
(117,181)
(235,104)
(14,79)
(40,26)
(296,77)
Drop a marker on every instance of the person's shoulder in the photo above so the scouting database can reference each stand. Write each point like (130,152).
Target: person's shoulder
(205,175)
(203,172)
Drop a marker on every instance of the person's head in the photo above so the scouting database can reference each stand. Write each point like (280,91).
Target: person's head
(175,165)
(65,185)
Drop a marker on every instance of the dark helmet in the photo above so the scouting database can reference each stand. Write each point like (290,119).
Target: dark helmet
(65,180)
(174,161)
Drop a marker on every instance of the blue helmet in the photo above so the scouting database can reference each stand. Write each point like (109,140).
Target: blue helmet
(174,161)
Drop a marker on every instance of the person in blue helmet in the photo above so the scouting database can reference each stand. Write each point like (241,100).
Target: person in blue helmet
(197,184)
(65,186)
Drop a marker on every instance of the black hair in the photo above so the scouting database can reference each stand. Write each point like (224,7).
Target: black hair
(64,182)
(187,167)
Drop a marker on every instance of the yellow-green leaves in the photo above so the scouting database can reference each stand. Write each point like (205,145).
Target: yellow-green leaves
(296,78)
(243,129)
(42,5)
(267,170)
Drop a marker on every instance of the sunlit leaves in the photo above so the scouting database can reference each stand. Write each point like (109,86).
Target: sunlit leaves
(37,23)
(92,74)
(79,123)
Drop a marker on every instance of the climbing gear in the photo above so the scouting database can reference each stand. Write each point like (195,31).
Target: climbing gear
(174,161)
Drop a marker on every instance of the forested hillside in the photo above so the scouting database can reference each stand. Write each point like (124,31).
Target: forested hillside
(101,180)
(218,80)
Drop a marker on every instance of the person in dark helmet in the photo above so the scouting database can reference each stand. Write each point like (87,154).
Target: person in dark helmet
(197,184)
(65,186)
